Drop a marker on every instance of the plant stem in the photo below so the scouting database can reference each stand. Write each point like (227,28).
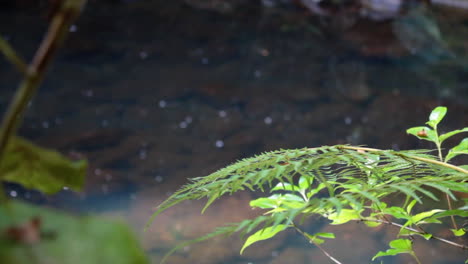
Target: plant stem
(441,163)
(12,56)
(415,257)
(316,244)
(464,247)
(35,72)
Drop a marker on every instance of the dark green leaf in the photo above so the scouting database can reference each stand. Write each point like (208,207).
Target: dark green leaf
(42,169)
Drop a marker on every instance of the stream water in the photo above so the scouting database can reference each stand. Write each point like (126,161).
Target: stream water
(156,92)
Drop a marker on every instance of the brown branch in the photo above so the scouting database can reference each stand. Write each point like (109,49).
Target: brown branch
(464,247)
(35,72)
(316,244)
(447,165)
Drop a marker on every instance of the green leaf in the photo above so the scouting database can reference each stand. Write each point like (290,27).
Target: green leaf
(266,203)
(263,234)
(283,186)
(42,169)
(459,149)
(371,223)
(305,182)
(458,232)
(416,219)
(315,237)
(65,239)
(399,246)
(325,235)
(436,116)
(452,133)
(410,206)
(423,132)
(344,216)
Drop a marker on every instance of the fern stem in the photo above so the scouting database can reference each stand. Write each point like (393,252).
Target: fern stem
(441,163)
(316,244)
(464,247)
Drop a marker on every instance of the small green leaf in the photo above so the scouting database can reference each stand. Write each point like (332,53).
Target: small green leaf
(325,235)
(458,232)
(263,234)
(265,203)
(416,219)
(410,206)
(344,216)
(452,133)
(304,182)
(423,132)
(39,168)
(371,223)
(459,149)
(436,116)
(315,237)
(399,246)
(283,186)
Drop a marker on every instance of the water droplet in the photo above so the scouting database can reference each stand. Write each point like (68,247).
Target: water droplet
(257,73)
(108,177)
(188,119)
(274,253)
(97,171)
(104,123)
(58,120)
(105,188)
(142,154)
(222,114)
(268,120)
(158,178)
(45,124)
(13,193)
(219,144)
(133,196)
(205,60)
(88,93)
(162,104)
(65,188)
(348,120)
(73,28)
(143,55)
(183,124)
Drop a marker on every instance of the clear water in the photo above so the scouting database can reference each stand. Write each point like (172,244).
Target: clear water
(154,93)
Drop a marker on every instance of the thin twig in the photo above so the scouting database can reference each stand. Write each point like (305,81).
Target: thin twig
(13,57)
(464,247)
(316,244)
(447,165)
(35,72)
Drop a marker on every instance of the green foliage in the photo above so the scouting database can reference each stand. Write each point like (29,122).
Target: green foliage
(42,169)
(398,246)
(340,183)
(62,238)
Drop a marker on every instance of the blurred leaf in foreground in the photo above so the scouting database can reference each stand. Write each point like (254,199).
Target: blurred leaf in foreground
(62,238)
(42,169)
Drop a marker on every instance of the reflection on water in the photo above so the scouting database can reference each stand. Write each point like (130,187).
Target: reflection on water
(157,92)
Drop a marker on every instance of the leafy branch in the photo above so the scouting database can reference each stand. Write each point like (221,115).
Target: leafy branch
(341,183)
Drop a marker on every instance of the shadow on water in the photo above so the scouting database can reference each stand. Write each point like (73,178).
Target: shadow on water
(155,92)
